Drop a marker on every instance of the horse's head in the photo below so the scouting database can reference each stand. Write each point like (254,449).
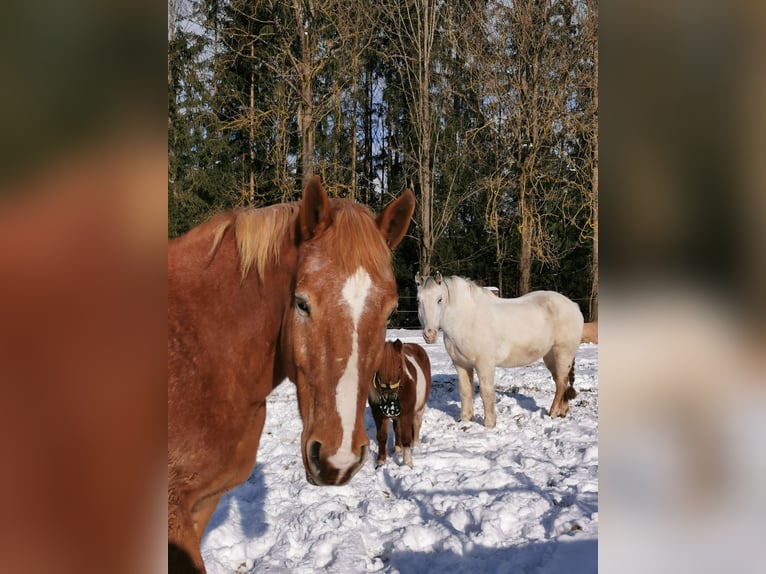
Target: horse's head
(431,295)
(388,379)
(335,328)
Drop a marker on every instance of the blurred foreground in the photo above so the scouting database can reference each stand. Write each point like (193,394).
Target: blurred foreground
(683,215)
(83,180)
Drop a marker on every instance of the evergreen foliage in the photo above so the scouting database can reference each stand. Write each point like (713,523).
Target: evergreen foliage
(512,112)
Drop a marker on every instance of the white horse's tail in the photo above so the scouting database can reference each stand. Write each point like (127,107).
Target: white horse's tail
(570,393)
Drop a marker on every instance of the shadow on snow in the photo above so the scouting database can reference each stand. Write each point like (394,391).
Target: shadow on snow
(249,498)
(552,556)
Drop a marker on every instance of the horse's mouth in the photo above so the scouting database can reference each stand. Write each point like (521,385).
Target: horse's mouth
(390,406)
(320,473)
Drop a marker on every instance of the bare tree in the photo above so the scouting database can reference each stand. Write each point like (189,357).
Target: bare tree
(300,48)
(412,30)
(523,63)
(592,21)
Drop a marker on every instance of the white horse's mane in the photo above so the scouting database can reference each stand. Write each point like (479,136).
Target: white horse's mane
(467,285)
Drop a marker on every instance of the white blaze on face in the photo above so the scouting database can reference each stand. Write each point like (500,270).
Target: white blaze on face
(429,309)
(354,294)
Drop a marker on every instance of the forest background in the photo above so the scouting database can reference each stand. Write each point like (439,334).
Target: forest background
(487,109)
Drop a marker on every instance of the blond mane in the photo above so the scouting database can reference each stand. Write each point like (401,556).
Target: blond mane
(356,239)
(258,234)
(353,234)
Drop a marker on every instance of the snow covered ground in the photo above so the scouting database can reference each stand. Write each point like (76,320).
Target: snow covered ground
(522,497)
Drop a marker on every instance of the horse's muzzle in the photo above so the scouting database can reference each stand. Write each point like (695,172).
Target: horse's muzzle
(320,472)
(390,406)
(429,335)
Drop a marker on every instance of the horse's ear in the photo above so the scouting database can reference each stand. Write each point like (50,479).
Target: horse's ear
(438,278)
(398,346)
(315,209)
(418,279)
(394,220)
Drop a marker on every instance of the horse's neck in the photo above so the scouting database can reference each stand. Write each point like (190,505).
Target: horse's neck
(461,304)
(227,309)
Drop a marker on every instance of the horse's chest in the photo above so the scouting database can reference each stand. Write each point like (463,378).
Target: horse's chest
(460,355)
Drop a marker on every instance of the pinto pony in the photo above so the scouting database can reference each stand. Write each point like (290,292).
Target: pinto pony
(300,291)
(399,391)
(482,331)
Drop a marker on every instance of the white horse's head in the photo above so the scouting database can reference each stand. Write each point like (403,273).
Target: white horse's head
(431,302)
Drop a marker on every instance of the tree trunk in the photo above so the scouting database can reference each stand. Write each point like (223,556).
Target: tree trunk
(426,245)
(525,260)
(369,165)
(525,256)
(354,104)
(250,167)
(593,304)
(307,128)
(426,203)
(306,112)
(424,120)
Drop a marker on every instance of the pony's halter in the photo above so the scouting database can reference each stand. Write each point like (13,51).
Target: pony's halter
(389,396)
(392,388)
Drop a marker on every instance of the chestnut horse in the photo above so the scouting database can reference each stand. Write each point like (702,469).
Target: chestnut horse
(482,331)
(399,391)
(300,291)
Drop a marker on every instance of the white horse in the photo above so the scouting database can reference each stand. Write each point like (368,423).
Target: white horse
(482,331)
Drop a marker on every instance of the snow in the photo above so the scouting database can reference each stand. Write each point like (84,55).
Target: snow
(522,497)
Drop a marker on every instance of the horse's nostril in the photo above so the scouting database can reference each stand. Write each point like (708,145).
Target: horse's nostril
(314,454)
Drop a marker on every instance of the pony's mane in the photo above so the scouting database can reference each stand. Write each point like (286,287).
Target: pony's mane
(259,233)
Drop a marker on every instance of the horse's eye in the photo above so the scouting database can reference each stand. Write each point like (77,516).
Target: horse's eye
(303,306)
(439,301)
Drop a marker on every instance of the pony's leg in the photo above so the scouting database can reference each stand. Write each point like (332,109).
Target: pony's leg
(563,375)
(397,435)
(404,436)
(417,422)
(407,456)
(487,392)
(381,424)
(465,385)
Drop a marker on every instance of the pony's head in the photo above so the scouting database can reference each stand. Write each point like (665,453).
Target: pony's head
(388,379)
(334,329)
(431,301)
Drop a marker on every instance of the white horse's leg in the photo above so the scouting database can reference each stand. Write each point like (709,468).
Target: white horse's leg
(487,392)
(563,375)
(465,385)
